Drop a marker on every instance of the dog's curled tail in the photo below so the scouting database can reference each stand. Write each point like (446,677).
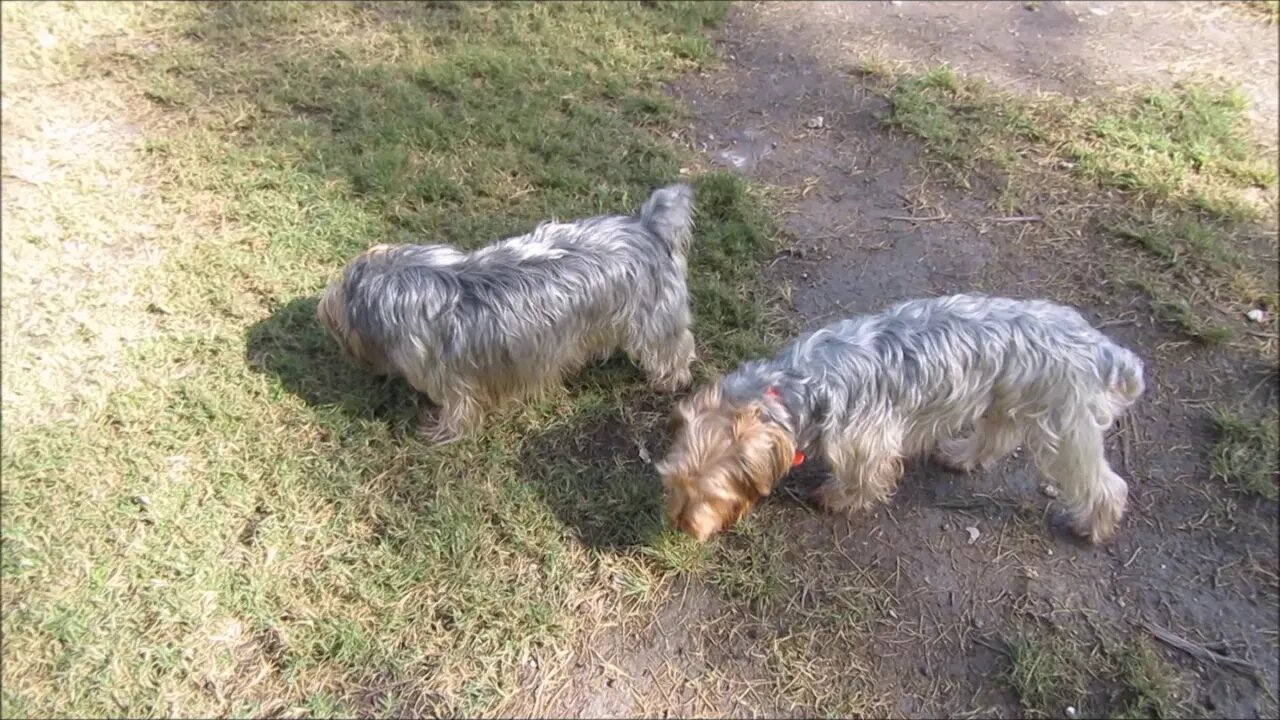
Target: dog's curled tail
(669,214)
(1121,372)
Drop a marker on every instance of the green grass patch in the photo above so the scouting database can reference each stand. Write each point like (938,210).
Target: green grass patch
(959,120)
(246,523)
(1171,306)
(1051,670)
(1246,454)
(1046,670)
(750,566)
(1184,144)
(1149,687)
(1172,180)
(1265,10)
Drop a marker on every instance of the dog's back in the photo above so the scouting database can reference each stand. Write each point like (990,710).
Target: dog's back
(1055,335)
(557,271)
(470,329)
(1041,345)
(937,352)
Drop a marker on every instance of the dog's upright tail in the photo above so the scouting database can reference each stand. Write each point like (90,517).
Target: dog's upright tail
(669,214)
(1121,372)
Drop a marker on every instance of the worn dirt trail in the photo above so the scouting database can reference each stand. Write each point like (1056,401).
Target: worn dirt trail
(1189,558)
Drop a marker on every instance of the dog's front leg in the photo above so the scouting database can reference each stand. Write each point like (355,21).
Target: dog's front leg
(865,468)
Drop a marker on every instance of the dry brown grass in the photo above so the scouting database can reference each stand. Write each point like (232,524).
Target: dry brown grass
(82,222)
(206,511)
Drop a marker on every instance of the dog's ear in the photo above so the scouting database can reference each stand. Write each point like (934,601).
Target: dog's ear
(765,450)
(679,419)
(686,410)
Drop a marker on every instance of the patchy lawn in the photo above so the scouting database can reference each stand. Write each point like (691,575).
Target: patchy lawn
(232,520)
(206,510)
(1170,178)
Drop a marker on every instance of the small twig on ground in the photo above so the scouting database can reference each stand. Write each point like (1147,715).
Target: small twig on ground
(1126,320)
(1015,219)
(1125,441)
(990,646)
(915,218)
(1133,557)
(959,505)
(1201,652)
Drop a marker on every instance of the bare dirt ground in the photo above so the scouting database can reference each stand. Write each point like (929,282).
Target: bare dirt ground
(1190,557)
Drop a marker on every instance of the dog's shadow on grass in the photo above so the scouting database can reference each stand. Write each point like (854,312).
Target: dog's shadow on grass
(596,469)
(292,347)
(591,465)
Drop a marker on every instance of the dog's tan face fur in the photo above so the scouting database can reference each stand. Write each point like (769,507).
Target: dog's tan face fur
(723,459)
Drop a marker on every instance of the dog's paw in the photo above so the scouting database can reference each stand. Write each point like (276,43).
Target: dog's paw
(832,497)
(672,383)
(950,465)
(1087,533)
(827,500)
(1096,531)
(436,433)
(953,455)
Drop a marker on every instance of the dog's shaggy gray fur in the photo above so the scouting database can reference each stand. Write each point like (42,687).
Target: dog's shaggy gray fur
(473,329)
(869,391)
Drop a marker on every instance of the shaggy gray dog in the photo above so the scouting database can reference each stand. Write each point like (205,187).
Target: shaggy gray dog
(966,376)
(474,329)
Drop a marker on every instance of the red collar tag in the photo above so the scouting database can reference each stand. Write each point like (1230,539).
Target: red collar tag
(772,392)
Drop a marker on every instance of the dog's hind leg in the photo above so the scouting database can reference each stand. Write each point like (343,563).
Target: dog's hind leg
(658,339)
(993,438)
(667,361)
(1094,494)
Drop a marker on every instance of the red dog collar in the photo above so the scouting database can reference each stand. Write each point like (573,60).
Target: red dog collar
(773,393)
